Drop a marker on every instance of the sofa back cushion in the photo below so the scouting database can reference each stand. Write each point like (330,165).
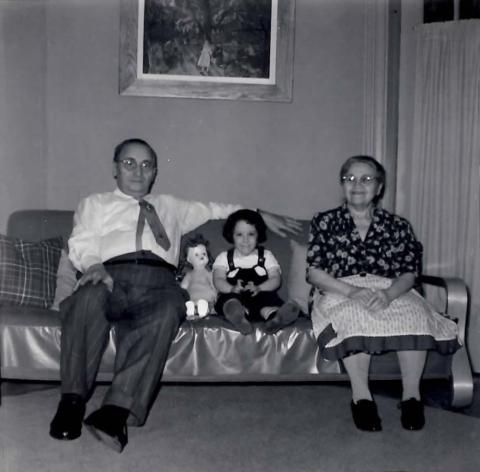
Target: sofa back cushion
(280,247)
(35,225)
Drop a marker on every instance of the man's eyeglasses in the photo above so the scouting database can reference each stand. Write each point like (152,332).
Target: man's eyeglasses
(364,179)
(131,164)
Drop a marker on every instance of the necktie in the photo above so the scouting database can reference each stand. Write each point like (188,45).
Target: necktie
(147,212)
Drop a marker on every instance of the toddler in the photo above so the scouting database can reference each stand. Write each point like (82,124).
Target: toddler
(247,277)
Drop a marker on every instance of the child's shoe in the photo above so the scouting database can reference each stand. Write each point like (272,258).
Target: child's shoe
(234,311)
(285,316)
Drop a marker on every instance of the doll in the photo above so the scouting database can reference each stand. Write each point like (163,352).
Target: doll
(196,265)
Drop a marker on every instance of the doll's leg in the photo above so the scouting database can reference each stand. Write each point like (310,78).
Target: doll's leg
(202,308)
(190,305)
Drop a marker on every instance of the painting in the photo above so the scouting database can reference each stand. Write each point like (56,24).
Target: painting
(211,49)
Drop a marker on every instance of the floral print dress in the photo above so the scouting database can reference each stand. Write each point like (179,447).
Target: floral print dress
(343,326)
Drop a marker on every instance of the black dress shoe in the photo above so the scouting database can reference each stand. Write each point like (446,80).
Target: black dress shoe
(67,422)
(412,417)
(108,425)
(365,415)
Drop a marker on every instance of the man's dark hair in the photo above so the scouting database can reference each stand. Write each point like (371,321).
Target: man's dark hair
(251,217)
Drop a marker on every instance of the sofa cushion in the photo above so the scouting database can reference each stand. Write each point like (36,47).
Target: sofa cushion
(297,286)
(66,280)
(28,271)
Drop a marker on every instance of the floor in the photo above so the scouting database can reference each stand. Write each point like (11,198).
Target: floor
(436,393)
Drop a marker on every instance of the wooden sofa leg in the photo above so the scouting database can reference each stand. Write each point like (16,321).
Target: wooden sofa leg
(462,380)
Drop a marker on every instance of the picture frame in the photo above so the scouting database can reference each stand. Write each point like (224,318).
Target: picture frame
(176,48)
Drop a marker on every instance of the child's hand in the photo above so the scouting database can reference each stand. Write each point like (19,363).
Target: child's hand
(238,288)
(252,288)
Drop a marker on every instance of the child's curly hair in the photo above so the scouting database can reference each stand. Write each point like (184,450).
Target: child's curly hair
(193,241)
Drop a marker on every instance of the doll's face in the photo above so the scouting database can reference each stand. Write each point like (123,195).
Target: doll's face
(197,256)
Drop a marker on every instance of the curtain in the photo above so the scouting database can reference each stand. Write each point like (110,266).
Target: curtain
(440,191)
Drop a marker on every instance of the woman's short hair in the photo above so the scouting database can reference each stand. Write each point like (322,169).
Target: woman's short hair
(372,162)
(251,217)
(126,142)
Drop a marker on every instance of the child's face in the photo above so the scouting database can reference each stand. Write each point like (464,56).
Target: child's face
(245,237)
(198,256)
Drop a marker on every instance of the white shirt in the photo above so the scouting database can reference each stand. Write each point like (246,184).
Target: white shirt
(105,225)
(246,262)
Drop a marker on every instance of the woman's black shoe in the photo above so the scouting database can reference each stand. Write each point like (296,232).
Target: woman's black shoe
(365,415)
(67,422)
(412,417)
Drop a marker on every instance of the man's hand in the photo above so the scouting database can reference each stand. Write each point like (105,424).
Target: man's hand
(95,274)
(282,225)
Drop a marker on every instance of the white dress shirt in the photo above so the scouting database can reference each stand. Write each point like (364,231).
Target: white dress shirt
(105,226)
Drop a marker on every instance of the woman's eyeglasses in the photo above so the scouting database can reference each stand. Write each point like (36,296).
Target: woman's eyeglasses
(364,179)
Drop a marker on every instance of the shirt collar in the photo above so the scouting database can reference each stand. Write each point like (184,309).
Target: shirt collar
(123,195)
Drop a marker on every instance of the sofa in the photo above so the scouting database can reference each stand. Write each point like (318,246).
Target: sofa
(209,349)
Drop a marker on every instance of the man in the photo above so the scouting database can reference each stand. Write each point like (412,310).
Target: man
(126,244)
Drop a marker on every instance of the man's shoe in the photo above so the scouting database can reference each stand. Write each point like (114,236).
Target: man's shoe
(108,425)
(412,417)
(365,415)
(67,422)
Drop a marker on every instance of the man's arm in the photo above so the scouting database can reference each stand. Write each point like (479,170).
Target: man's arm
(194,214)
(83,244)
(282,225)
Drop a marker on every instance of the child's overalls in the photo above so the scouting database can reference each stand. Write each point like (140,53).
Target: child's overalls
(256,275)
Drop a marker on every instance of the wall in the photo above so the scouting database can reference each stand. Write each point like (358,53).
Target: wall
(282,157)
(23,168)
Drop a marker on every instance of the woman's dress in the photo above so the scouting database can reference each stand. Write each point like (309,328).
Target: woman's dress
(344,326)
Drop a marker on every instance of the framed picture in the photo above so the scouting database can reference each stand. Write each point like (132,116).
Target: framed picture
(217,49)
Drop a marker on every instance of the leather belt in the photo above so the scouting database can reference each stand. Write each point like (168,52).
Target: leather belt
(141,258)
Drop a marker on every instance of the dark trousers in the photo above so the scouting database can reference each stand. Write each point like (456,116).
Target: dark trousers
(152,305)
(253,304)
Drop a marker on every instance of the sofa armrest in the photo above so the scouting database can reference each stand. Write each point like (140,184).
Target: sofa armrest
(456,299)
(456,308)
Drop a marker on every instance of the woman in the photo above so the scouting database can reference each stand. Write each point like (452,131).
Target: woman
(362,263)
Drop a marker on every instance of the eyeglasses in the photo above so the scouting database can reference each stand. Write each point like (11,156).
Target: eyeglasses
(364,179)
(131,164)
